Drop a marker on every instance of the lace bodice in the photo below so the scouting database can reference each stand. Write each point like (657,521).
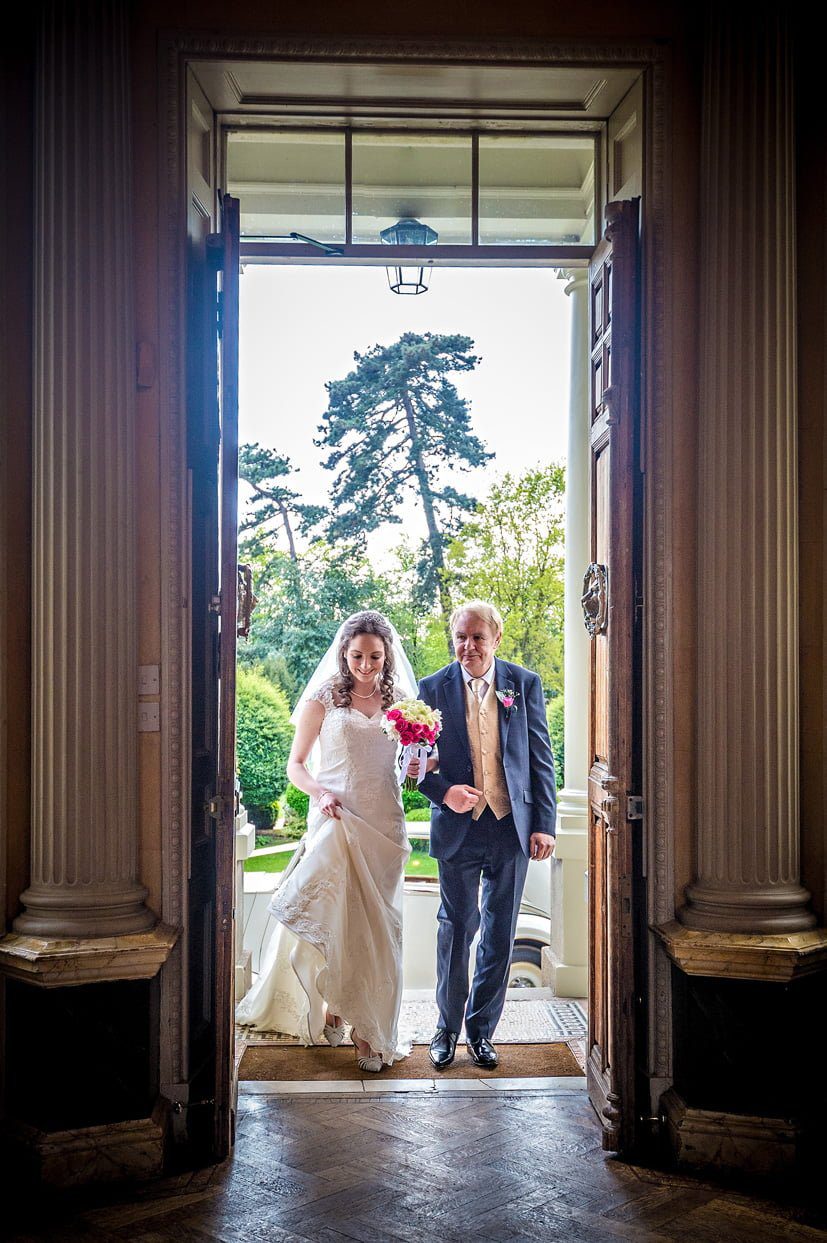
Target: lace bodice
(357,760)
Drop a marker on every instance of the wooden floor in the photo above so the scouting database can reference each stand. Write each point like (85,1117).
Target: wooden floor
(448,1168)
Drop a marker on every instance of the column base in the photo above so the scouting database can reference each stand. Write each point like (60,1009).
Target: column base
(115,1152)
(747,1093)
(759,910)
(705,1139)
(86,960)
(743,956)
(564,979)
(565,961)
(243,975)
(92,910)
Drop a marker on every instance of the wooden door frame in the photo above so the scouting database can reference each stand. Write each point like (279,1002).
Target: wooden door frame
(175,52)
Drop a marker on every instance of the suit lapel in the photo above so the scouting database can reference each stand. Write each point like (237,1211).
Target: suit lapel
(503,679)
(454,692)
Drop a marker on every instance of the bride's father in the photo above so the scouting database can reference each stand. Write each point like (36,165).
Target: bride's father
(493,796)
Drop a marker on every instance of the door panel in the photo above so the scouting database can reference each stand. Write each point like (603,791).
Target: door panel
(226,1081)
(202,450)
(615,525)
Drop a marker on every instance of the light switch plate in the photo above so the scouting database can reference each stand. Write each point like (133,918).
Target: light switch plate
(149,717)
(149,679)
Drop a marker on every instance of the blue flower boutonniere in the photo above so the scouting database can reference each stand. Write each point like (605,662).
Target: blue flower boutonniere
(508,698)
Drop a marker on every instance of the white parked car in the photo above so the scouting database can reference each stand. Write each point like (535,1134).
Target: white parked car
(420,925)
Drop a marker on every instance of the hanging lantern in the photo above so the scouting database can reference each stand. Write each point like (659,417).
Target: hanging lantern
(409,278)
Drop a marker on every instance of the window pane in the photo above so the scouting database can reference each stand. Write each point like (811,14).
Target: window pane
(536,191)
(289,182)
(426,177)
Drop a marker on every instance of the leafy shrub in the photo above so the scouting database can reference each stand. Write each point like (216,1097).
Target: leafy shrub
(297,799)
(554,716)
(264,737)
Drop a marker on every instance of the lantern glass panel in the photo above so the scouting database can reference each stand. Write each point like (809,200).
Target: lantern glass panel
(425,177)
(536,190)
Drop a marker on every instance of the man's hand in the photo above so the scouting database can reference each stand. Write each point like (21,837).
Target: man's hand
(461,798)
(540,845)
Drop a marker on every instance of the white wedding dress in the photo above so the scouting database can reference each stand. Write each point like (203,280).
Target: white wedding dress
(338,943)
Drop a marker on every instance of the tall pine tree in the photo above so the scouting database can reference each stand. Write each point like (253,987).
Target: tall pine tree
(396,426)
(273,504)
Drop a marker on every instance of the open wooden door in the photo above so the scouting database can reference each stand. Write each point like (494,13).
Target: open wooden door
(226,251)
(610,597)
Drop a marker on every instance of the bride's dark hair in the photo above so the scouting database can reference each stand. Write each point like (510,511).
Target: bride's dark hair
(367,622)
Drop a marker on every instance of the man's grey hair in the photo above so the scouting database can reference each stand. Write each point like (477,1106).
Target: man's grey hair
(488,612)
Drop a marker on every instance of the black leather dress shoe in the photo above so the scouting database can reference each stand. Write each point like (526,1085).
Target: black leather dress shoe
(443,1047)
(483,1053)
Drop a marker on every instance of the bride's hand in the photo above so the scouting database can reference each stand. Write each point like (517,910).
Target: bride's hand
(329,805)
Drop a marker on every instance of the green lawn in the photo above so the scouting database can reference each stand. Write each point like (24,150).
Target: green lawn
(269,863)
(419,864)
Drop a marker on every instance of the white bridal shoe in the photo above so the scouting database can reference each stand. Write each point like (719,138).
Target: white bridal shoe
(334,1035)
(373,1062)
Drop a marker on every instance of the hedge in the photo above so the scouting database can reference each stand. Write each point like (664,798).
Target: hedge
(264,737)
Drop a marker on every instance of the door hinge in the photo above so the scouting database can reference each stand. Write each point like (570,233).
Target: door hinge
(215,806)
(215,603)
(634,807)
(178,1107)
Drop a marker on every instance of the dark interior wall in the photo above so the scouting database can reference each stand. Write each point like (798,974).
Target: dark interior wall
(16,274)
(812,359)
(461,19)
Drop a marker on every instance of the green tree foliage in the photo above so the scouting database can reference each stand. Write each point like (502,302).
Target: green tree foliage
(301,604)
(511,553)
(554,716)
(396,426)
(264,737)
(274,505)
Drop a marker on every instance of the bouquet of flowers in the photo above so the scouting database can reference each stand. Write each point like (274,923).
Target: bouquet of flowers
(416,726)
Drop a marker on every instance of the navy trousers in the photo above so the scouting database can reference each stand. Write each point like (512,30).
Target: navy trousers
(491,854)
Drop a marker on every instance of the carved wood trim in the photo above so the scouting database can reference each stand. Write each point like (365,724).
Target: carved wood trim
(174,51)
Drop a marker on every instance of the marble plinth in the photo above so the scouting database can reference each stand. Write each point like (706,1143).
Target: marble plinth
(777,958)
(712,1139)
(114,1152)
(60,963)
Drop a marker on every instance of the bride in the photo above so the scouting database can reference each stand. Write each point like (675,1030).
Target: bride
(336,953)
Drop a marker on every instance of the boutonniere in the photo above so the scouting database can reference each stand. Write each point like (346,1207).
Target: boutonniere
(508,698)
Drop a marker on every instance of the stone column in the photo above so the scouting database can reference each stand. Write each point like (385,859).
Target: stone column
(747,780)
(84,774)
(569,928)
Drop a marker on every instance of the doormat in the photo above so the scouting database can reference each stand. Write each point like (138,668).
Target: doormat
(523,1022)
(284,1063)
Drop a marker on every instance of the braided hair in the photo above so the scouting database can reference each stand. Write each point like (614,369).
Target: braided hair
(373,623)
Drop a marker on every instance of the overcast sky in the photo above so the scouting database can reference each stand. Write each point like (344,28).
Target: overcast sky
(300,327)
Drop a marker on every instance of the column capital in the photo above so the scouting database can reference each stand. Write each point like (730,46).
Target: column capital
(576,278)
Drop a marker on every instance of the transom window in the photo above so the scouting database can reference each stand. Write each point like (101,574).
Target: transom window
(341,188)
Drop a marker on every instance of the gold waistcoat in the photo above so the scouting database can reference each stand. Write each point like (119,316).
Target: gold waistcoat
(484,739)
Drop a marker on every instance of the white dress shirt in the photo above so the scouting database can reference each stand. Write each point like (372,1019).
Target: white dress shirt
(487,679)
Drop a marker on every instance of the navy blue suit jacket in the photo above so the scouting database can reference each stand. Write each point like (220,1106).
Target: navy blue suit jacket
(526,755)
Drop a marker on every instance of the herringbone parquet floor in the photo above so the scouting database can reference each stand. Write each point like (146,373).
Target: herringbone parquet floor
(417,1169)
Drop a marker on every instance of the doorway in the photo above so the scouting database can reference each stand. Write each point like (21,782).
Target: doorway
(303,324)
(203,78)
